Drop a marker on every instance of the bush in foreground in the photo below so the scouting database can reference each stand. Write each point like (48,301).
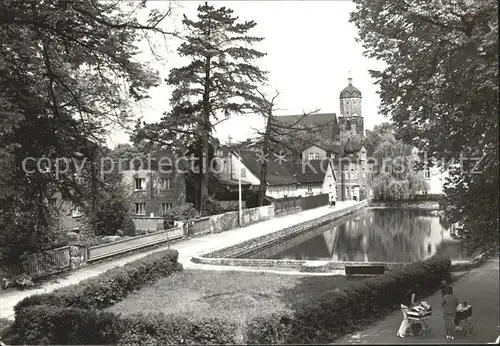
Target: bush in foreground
(330,316)
(160,329)
(49,325)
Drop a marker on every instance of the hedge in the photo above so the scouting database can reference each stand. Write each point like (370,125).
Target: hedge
(330,316)
(160,329)
(54,325)
(111,286)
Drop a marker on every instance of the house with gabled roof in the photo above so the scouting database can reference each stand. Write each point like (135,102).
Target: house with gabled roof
(349,163)
(284,178)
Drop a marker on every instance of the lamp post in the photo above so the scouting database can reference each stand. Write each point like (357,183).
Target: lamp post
(240,208)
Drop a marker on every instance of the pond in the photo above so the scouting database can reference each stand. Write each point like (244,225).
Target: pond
(371,235)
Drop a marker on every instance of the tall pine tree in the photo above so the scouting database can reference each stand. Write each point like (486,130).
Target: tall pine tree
(220,80)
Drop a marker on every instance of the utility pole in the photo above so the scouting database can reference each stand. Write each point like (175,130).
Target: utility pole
(239,189)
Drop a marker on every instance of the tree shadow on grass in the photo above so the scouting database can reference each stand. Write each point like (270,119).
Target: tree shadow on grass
(312,299)
(310,288)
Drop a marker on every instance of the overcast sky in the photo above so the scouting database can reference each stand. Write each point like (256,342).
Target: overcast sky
(310,46)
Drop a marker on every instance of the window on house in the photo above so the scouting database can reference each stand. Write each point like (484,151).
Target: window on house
(165,167)
(226,166)
(52,202)
(348,125)
(427,173)
(316,156)
(140,208)
(76,212)
(166,183)
(354,173)
(311,156)
(309,188)
(166,207)
(140,183)
(243,172)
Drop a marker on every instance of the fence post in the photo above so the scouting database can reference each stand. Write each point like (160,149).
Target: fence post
(168,240)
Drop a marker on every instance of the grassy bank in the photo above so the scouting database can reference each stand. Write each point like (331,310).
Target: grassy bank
(229,295)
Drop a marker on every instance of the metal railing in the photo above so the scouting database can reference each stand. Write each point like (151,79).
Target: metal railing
(55,261)
(107,250)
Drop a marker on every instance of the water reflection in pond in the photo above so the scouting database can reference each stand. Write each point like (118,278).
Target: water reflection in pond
(378,235)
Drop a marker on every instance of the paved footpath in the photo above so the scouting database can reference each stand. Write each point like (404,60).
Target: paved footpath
(479,287)
(187,249)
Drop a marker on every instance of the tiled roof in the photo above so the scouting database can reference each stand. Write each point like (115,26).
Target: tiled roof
(287,172)
(233,182)
(326,121)
(312,171)
(277,174)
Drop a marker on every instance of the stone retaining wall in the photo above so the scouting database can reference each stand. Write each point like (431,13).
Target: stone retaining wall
(243,248)
(427,205)
(302,265)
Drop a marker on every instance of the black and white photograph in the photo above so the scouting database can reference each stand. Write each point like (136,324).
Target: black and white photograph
(249,172)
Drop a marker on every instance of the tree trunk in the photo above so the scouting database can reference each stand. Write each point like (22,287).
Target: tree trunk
(263,166)
(205,136)
(204,172)
(94,182)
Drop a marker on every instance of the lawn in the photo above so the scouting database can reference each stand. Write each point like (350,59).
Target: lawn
(231,295)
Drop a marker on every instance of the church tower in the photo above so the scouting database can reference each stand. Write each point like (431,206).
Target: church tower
(351,119)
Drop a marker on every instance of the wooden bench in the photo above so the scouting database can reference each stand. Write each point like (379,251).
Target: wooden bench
(375,269)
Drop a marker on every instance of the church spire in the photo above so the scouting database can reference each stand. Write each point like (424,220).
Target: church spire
(350,78)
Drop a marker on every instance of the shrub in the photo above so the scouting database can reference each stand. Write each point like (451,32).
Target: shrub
(271,329)
(48,324)
(331,315)
(23,281)
(110,287)
(112,213)
(54,325)
(174,329)
(212,207)
(128,226)
(179,213)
